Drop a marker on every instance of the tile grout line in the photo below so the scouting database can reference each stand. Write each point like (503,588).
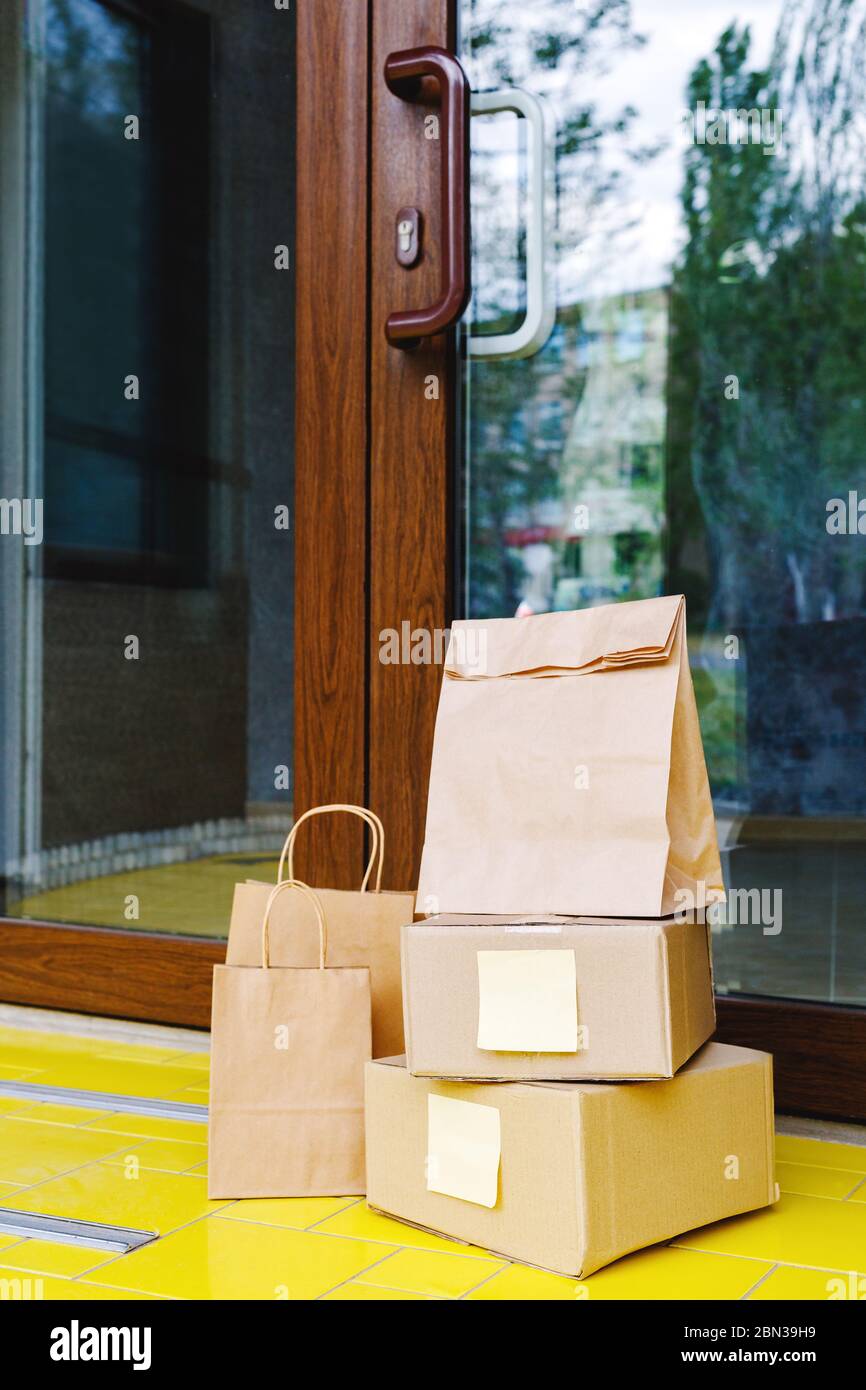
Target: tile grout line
(142,1143)
(143,1295)
(466,1254)
(91,1127)
(126,1106)
(765,1259)
(813,1196)
(332,1235)
(136,1141)
(819,1167)
(77,1278)
(206,1216)
(748,1294)
(348,1207)
(161,1235)
(16,1240)
(723,1254)
(65,1173)
(410,1293)
(88,1125)
(118,1288)
(69,1278)
(494,1274)
(366,1270)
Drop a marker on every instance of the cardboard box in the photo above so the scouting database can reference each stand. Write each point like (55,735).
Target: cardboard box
(571,1175)
(555,998)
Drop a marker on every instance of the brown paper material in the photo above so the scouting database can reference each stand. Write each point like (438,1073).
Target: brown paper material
(641,997)
(288,1048)
(568,773)
(363,930)
(588,1172)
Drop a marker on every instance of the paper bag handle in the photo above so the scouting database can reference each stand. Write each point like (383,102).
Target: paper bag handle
(377,836)
(317,908)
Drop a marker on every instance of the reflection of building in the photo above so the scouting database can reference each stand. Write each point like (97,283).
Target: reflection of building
(612,472)
(593,425)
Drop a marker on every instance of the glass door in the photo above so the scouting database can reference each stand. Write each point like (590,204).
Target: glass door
(663,391)
(146,458)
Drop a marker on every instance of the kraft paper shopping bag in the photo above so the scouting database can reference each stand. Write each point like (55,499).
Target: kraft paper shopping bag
(363,928)
(288,1050)
(568,771)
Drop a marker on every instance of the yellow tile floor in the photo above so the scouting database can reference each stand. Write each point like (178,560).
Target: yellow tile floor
(149,1173)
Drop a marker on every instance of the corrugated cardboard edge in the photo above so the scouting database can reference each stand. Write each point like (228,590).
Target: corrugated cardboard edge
(581,1196)
(609,1078)
(770,1124)
(685,1029)
(708,932)
(404,986)
(708,926)
(669,1024)
(592,1259)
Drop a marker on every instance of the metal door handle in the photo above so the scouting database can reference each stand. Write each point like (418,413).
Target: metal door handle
(540,317)
(403,74)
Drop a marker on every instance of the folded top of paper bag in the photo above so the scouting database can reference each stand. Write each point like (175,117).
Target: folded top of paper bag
(591,639)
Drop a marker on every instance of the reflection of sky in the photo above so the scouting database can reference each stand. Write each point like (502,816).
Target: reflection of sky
(653,80)
(634,238)
(92,51)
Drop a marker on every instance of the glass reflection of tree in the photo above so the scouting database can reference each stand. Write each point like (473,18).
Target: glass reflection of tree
(94,56)
(516,446)
(98,218)
(771,289)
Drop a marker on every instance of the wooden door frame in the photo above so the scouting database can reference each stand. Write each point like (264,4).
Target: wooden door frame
(374,530)
(413,398)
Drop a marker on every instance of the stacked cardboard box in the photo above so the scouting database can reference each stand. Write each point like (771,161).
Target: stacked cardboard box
(555,998)
(559,1102)
(570,1175)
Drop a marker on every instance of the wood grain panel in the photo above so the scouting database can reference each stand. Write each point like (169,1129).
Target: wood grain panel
(331,432)
(819,1052)
(119,974)
(410,445)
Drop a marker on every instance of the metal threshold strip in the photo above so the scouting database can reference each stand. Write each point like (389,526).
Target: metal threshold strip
(101,1100)
(93,1235)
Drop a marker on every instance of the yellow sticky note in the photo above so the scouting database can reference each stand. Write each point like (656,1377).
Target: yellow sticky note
(527,1001)
(463,1150)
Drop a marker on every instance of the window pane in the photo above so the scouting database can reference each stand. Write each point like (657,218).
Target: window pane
(694,422)
(147,701)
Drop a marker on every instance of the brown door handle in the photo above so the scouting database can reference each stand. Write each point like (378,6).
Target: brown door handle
(403,74)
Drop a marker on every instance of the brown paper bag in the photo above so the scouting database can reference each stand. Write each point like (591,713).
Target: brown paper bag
(363,929)
(568,772)
(288,1050)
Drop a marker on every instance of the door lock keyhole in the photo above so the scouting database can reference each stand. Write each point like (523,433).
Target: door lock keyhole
(408,241)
